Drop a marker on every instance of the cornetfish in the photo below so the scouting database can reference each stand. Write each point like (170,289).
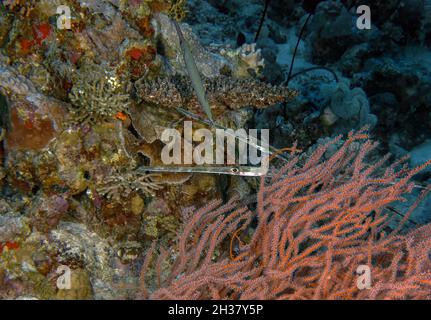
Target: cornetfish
(246,171)
(193,72)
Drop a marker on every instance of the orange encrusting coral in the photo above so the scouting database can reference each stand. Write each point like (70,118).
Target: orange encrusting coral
(41,32)
(318,220)
(9,245)
(135,53)
(26,45)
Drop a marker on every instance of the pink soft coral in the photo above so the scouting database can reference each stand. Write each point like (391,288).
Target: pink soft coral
(315,222)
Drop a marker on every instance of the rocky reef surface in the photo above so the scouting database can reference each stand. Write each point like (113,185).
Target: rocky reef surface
(83,108)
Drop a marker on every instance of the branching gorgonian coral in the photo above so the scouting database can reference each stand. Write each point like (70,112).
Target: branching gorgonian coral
(318,221)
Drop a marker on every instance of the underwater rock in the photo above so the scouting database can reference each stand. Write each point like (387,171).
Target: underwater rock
(80,287)
(422,213)
(395,148)
(128,251)
(221,21)
(275,32)
(407,77)
(210,22)
(31,128)
(17,87)
(35,118)
(238,188)
(158,220)
(403,23)
(140,59)
(332,31)
(46,212)
(85,157)
(353,59)
(26,298)
(149,120)
(13,226)
(208,63)
(76,244)
(197,189)
(5,206)
(107,40)
(5,26)
(29,171)
(152,154)
(421,154)
(106,8)
(22,270)
(137,205)
(116,219)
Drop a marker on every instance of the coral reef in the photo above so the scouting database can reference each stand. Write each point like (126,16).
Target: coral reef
(83,108)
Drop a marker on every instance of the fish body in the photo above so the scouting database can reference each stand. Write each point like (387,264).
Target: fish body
(245,171)
(193,72)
